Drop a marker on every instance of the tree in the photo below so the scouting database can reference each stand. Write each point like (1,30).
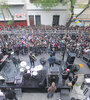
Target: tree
(4,6)
(72,11)
(48,4)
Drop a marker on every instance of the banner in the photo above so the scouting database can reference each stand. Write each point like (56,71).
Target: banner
(77,21)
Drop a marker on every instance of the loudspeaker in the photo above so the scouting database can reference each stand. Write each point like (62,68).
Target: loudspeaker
(53,78)
(71,58)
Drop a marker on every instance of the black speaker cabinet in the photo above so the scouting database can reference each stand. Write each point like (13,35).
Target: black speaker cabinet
(71,58)
(53,78)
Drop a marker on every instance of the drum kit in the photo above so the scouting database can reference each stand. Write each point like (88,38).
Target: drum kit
(33,71)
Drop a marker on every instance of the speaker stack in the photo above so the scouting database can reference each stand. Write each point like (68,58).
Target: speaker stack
(70,59)
(53,75)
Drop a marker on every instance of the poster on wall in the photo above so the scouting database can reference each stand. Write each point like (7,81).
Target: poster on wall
(20,15)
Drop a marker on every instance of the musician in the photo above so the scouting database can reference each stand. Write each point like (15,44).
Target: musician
(32,59)
(53,52)
(15,62)
(51,61)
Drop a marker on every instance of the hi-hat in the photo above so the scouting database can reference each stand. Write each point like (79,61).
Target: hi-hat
(23,64)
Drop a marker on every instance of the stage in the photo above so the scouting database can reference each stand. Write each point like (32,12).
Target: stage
(36,83)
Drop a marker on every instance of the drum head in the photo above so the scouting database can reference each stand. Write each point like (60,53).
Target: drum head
(27,67)
(38,68)
(22,69)
(23,64)
(34,73)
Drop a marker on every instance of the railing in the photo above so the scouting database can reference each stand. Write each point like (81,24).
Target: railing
(40,31)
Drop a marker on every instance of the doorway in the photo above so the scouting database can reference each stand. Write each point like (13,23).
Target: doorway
(55,20)
(31,19)
(38,20)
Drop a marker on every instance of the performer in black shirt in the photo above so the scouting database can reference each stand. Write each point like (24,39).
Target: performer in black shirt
(32,59)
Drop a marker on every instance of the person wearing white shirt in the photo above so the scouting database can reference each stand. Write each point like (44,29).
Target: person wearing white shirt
(2,96)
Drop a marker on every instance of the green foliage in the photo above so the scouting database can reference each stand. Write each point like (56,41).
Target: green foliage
(82,6)
(64,3)
(73,2)
(10,22)
(46,4)
(89,5)
(4,4)
(70,9)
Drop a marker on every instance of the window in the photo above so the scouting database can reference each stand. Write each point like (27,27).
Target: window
(38,19)
(55,20)
(31,19)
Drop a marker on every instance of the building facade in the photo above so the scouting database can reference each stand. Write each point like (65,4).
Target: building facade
(26,13)
(36,15)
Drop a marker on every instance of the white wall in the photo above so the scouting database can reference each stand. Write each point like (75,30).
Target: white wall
(47,17)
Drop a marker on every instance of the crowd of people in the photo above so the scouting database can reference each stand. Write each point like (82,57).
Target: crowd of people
(37,42)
